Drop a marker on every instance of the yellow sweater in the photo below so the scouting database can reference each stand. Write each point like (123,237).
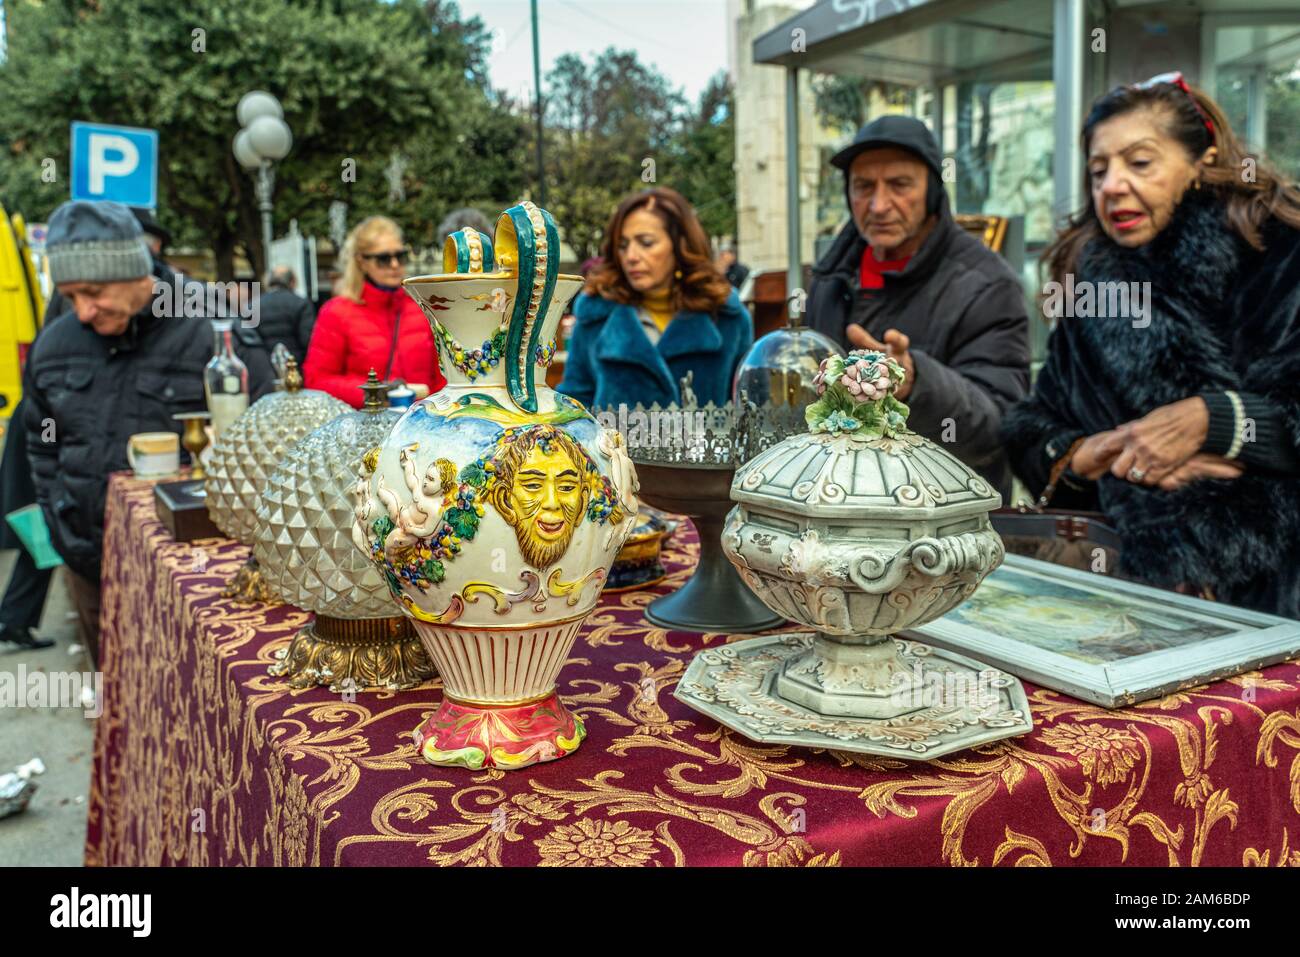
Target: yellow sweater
(659,306)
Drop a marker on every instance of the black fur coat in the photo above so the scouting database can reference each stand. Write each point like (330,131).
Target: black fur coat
(1223,316)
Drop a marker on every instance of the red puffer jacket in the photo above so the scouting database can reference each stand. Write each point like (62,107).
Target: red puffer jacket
(350,339)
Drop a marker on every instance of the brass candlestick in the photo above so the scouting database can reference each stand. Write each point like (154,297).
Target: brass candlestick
(195,439)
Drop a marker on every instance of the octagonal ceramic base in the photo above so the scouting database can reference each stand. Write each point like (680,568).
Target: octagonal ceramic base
(951,702)
(471,736)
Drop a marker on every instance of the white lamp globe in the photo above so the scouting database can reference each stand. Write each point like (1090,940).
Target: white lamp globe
(244,152)
(257,103)
(270,137)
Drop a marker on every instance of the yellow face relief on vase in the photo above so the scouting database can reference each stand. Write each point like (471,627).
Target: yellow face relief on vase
(542,495)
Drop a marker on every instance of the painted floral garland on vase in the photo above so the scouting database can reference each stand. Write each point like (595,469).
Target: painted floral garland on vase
(497,505)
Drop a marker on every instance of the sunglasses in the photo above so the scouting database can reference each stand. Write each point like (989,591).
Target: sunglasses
(1176,79)
(398,257)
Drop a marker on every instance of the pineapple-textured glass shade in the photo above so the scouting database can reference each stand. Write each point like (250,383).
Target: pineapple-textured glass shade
(253,447)
(304,529)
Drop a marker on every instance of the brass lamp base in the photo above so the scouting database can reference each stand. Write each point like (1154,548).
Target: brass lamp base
(354,655)
(248,585)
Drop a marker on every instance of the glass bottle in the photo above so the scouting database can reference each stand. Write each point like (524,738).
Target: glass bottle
(225,379)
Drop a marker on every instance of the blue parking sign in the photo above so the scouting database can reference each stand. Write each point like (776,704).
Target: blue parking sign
(119,163)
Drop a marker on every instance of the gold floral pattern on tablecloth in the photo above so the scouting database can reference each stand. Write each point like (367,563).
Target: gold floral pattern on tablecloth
(1106,755)
(595,843)
(203,758)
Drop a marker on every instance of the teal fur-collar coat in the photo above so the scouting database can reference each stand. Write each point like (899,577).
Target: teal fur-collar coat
(612,361)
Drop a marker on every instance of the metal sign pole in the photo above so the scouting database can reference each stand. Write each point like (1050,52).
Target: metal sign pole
(794,268)
(537,85)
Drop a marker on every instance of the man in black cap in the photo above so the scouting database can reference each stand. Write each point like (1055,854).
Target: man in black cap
(124,359)
(903,278)
(156,236)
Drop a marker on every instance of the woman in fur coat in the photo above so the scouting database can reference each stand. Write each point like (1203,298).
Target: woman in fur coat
(1180,418)
(655,309)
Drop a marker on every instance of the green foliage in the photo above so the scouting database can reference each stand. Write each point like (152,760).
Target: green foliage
(433,570)
(398,87)
(617,126)
(394,583)
(704,169)
(473,474)
(845,102)
(359,79)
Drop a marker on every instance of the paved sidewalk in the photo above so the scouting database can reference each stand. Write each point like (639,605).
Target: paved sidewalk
(52,831)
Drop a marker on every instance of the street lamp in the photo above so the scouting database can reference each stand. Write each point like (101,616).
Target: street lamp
(263,138)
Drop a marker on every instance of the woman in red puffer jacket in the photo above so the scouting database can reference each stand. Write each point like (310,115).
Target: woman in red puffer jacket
(372,323)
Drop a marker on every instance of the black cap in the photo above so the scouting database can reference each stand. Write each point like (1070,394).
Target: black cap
(900,132)
(151,226)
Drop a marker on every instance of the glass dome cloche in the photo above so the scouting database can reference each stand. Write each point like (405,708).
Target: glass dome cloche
(780,367)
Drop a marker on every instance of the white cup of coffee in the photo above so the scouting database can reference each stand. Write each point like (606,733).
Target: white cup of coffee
(154,454)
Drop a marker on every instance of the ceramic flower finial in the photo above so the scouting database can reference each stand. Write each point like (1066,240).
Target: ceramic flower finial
(856,395)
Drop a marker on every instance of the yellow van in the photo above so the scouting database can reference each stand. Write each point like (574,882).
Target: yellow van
(21,309)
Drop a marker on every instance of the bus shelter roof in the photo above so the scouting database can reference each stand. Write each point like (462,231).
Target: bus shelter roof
(916,42)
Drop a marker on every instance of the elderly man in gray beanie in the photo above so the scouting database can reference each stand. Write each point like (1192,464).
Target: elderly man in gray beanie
(124,360)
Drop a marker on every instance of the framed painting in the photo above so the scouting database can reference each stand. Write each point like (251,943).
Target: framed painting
(1105,640)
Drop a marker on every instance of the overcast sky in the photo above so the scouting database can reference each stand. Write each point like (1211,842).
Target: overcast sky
(685,39)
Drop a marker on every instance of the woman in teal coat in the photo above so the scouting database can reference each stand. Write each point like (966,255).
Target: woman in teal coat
(655,309)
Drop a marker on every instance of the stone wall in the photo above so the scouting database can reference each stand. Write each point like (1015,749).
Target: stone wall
(761,147)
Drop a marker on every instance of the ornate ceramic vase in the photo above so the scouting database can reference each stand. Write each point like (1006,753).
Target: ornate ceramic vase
(859,528)
(496,506)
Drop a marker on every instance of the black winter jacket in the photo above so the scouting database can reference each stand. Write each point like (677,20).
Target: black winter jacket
(85,395)
(1222,316)
(288,318)
(964,310)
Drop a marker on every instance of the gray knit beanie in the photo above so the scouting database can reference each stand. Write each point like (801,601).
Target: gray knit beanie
(96,242)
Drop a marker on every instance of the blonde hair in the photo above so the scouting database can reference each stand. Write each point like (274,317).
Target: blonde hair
(362,240)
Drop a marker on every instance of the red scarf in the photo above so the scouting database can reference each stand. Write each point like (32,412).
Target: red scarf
(873,270)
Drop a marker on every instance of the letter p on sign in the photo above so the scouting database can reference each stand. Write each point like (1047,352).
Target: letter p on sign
(118,163)
(110,155)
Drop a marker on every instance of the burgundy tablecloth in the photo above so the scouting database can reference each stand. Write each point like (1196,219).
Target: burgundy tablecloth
(203,758)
